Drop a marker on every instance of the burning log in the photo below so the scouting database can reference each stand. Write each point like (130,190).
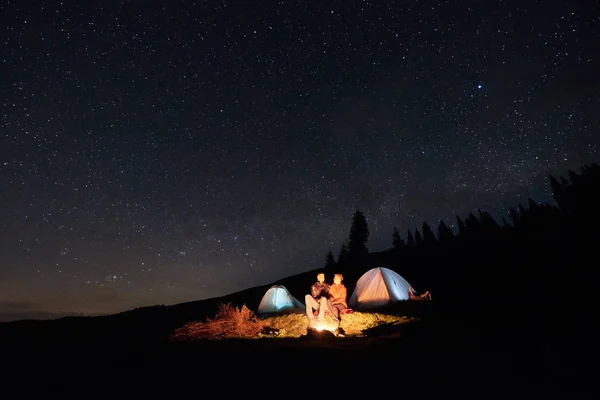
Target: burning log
(312,333)
(325,328)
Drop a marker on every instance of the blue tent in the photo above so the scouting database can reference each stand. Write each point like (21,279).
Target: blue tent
(278,300)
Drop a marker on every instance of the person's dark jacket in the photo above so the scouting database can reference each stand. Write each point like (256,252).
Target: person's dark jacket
(318,289)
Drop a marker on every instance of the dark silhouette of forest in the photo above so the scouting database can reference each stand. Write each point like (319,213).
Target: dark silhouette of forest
(539,253)
(525,279)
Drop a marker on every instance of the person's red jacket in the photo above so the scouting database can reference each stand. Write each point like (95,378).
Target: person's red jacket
(337,294)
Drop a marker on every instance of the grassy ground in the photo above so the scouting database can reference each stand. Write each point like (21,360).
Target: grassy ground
(240,322)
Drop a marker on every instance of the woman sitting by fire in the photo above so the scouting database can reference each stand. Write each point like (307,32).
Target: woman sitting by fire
(337,297)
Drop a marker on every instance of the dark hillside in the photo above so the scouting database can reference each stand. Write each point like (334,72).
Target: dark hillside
(145,324)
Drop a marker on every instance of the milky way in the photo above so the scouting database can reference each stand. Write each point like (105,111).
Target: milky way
(161,152)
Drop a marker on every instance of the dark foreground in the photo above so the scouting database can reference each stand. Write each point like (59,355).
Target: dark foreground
(427,359)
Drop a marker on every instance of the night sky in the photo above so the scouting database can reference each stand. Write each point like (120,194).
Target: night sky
(163,152)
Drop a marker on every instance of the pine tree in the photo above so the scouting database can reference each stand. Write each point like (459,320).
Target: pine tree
(410,240)
(514,217)
(524,215)
(472,223)
(559,193)
(418,238)
(359,236)
(445,234)
(461,226)
(397,242)
(487,221)
(428,235)
(329,260)
(574,177)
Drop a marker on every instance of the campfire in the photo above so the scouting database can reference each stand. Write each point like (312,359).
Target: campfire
(325,328)
(326,325)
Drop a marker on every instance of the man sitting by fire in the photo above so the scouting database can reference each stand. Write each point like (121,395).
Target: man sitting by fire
(317,299)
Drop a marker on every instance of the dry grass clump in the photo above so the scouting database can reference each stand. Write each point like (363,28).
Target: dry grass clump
(230,322)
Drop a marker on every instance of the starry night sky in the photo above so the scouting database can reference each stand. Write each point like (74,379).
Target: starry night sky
(162,152)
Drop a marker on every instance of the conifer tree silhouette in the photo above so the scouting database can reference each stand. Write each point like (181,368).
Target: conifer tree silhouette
(559,194)
(330,263)
(487,222)
(514,217)
(358,238)
(578,197)
(418,238)
(574,177)
(397,242)
(472,223)
(410,240)
(461,226)
(429,238)
(445,234)
(523,216)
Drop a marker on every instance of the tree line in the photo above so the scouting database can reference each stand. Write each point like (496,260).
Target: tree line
(536,245)
(525,283)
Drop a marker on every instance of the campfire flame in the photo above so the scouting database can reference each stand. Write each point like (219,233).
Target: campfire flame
(326,325)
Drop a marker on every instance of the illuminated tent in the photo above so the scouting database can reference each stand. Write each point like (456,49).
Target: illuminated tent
(277,300)
(377,287)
